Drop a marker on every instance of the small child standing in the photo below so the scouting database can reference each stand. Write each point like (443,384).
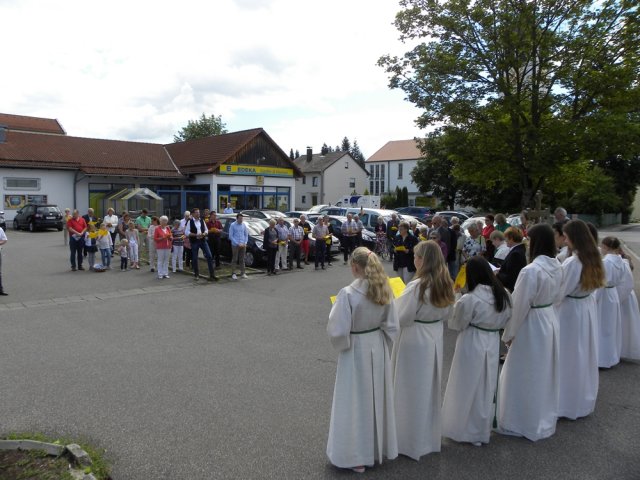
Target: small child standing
(178,246)
(90,240)
(104,244)
(132,240)
(124,253)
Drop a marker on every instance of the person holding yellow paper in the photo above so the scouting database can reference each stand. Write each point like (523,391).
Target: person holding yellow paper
(320,233)
(362,325)
(417,355)
(403,259)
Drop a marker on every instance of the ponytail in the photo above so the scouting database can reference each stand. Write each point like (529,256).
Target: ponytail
(379,291)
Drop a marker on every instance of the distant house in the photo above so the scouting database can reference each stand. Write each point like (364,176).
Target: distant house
(326,178)
(39,162)
(391,167)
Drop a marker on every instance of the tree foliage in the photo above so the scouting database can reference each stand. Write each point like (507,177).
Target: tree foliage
(203,127)
(530,85)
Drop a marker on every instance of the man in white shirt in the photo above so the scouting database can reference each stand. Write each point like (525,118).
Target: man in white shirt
(111,221)
(3,240)
(228,209)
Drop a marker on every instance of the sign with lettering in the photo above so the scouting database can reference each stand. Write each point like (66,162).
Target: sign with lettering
(256,170)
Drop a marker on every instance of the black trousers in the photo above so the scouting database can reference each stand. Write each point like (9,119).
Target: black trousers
(348,245)
(214,246)
(294,250)
(271,259)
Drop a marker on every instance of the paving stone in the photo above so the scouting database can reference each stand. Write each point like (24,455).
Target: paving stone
(50,448)
(79,455)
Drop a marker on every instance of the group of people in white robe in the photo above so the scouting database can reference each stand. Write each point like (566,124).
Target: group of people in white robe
(561,322)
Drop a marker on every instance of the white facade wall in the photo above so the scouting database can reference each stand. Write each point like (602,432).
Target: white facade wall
(393,179)
(57,185)
(305,188)
(338,180)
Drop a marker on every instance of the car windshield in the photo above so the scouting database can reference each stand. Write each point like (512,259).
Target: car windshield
(46,210)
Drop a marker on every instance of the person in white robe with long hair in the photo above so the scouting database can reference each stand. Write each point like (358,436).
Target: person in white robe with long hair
(362,325)
(468,407)
(629,310)
(582,274)
(417,355)
(609,309)
(529,381)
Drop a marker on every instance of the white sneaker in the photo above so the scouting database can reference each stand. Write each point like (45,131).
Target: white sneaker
(244,275)
(234,277)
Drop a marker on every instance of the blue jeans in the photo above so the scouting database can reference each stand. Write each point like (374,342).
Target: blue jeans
(76,246)
(195,245)
(105,253)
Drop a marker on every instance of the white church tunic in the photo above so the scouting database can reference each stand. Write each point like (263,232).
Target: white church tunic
(529,381)
(578,320)
(417,373)
(609,313)
(630,316)
(362,428)
(468,410)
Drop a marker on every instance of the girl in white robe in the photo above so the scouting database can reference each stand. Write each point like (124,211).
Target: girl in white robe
(529,381)
(583,273)
(362,325)
(417,355)
(609,312)
(468,408)
(629,310)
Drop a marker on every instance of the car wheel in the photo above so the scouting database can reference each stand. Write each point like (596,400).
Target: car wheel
(15,225)
(32,227)
(249,259)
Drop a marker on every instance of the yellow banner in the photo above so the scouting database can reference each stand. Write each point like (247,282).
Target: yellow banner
(255,170)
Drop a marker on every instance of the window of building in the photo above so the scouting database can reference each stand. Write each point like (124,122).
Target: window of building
(16,183)
(371,170)
(399,171)
(352,182)
(382,172)
(378,171)
(371,187)
(304,179)
(381,187)
(346,164)
(314,181)
(304,199)
(314,199)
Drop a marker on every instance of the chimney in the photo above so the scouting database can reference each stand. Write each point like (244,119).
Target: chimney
(309,154)
(3,133)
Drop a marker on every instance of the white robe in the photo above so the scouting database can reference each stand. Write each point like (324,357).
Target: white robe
(630,316)
(578,320)
(529,381)
(417,373)
(362,428)
(467,410)
(609,316)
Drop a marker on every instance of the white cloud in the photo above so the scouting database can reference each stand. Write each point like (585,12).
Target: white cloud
(304,71)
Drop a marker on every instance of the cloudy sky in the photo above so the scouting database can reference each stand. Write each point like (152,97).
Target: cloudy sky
(139,70)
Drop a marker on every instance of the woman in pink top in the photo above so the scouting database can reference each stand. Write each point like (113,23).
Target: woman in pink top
(163,239)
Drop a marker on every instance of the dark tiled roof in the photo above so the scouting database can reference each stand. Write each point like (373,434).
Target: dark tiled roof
(206,154)
(31,124)
(92,156)
(319,162)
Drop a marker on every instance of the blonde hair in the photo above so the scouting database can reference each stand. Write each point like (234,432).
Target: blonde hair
(379,291)
(434,275)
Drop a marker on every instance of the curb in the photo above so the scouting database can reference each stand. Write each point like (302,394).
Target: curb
(78,455)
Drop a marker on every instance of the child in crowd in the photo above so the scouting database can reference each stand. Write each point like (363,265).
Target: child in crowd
(178,246)
(497,239)
(132,240)
(362,325)
(479,315)
(90,244)
(608,302)
(582,274)
(425,304)
(123,250)
(104,244)
(529,385)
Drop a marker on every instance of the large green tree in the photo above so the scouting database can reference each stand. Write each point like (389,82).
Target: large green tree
(528,81)
(203,127)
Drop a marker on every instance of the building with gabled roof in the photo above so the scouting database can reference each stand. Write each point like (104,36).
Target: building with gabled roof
(39,162)
(391,167)
(328,177)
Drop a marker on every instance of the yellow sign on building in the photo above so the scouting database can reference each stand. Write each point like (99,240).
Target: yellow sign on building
(256,170)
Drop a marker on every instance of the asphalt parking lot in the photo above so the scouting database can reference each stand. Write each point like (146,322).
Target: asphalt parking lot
(185,380)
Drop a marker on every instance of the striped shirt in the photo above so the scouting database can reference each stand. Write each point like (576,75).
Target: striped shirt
(297,233)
